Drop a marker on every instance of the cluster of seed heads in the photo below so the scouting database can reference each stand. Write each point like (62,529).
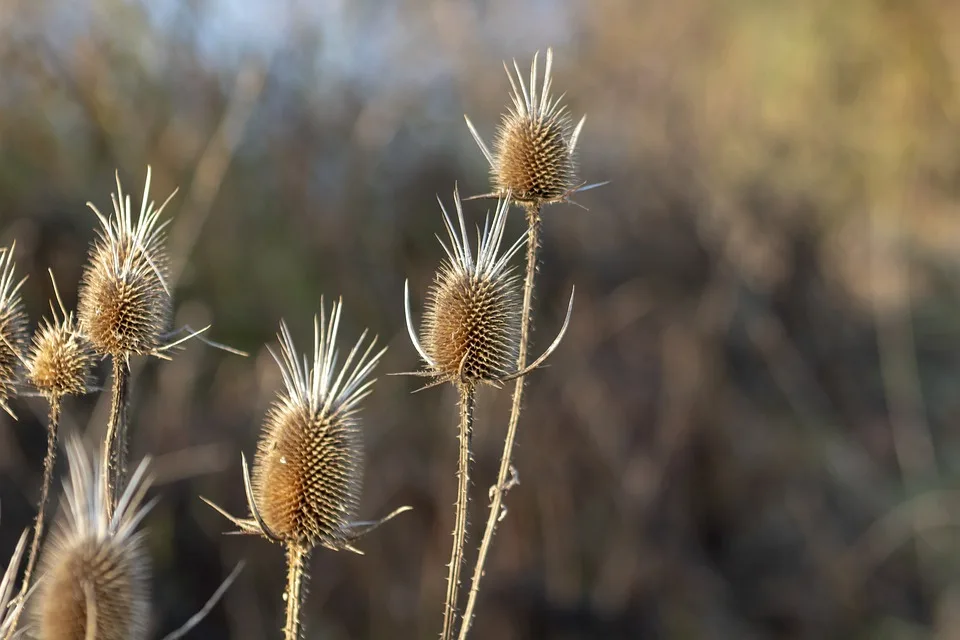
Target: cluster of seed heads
(534,148)
(124,305)
(96,569)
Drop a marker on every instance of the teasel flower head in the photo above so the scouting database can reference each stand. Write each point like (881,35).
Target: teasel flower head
(534,148)
(470,330)
(61,358)
(307,473)
(95,570)
(13,328)
(124,304)
(9,607)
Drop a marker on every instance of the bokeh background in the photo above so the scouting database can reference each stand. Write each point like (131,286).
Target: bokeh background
(750,430)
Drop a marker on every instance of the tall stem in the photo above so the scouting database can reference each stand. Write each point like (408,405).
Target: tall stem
(48,463)
(297,576)
(115,443)
(467,401)
(500,489)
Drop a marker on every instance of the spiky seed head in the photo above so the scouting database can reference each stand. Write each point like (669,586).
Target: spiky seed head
(308,469)
(471,322)
(13,326)
(61,358)
(124,304)
(96,572)
(534,149)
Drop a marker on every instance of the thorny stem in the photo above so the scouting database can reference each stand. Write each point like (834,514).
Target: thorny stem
(500,489)
(467,401)
(48,463)
(115,443)
(297,577)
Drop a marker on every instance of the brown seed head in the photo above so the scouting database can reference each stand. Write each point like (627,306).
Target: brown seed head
(124,304)
(61,359)
(13,326)
(96,573)
(534,149)
(471,321)
(309,465)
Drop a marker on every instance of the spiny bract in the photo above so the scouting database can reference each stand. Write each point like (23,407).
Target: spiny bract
(60,359)
(534,149)
(10,608)
(471,322)
(309,464)
(124,304)
(96,573)
(13,327)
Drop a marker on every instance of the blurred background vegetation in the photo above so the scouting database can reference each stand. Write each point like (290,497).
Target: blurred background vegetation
(750,429)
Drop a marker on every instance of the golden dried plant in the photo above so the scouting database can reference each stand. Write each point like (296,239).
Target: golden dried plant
(471,320)
(534,148)
(61,358)
(308,469)
(96,570)
(124,304)
(13,328)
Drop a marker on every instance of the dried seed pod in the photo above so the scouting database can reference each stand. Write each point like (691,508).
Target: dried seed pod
(309,465)
(471,321)
(124,304)
(96,572)
(60,359)
(534,149)
(13,327)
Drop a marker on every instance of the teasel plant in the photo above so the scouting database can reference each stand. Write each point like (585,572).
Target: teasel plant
(533,163)
(58,364)
(307,476)
(124,308)
(14,336)
(470,335)
(95,568)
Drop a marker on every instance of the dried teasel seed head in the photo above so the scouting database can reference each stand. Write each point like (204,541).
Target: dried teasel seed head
(308,470)
(124,304)
(13,326)
(471,321)
(534,149)
(96,572)
(60,359)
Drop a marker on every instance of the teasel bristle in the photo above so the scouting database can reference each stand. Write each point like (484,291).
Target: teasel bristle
(10,607)
(471,320)
(534,148)
(95,568)
(124,304)
(61,358)
(14,337)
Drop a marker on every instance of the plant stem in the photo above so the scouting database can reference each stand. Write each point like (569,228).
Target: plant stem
(48,463)
(297,576)
(115,442)
(467,401)
(500,489)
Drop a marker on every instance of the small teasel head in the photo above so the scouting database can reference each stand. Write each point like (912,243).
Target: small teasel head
(124,304)
(96,572)
(309,465)
(13,327)
(61,358)
(470,331)
(534,149)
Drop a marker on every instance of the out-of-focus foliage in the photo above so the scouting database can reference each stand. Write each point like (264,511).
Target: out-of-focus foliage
(750,429)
